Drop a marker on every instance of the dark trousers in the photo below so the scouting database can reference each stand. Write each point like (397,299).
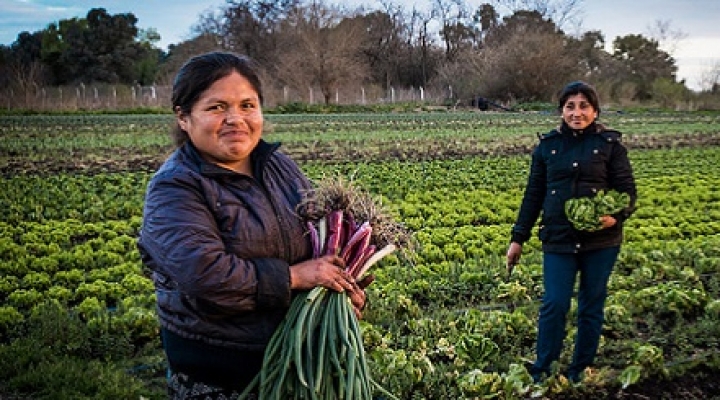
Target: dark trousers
(198,368)
(559,275)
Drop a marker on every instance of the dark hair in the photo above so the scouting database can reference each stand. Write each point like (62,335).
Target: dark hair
(199,73)
(579,87)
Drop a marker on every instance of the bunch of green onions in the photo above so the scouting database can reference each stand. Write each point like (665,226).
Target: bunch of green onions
(317,351)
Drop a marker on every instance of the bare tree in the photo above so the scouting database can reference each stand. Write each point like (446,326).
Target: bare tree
(564,13)
(487,18)
(180,53)
(521,22)
(422,62)
(323,49)
(464,75)
(385,44)
(27,78)
(667,38)
(249,27)
(455,25)
(527,67)
(710,78)
(210,23)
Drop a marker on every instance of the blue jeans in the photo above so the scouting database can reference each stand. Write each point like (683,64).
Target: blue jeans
(559,272)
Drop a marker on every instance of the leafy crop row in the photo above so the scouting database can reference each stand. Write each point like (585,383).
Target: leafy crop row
(449,324)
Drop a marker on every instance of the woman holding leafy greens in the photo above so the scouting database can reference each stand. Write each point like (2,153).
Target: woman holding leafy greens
(581,160)
(221,234)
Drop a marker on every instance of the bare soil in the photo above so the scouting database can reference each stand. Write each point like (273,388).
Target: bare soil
(702,383)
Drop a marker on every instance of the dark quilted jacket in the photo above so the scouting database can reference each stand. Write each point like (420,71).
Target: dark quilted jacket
(568,164)
(220,245)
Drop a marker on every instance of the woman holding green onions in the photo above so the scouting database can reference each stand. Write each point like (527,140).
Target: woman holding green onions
(221,234)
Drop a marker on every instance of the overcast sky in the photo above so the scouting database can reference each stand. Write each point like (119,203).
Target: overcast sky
(698,20)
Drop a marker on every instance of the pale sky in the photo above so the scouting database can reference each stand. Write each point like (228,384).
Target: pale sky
(698,20)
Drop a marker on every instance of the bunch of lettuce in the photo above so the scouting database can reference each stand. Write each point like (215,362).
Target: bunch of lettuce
(585,212)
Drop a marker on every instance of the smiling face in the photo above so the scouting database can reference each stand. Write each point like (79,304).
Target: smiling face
(226,122)
(578,112)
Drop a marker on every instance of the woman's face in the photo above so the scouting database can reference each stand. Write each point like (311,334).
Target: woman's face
(226,122)
(578,113)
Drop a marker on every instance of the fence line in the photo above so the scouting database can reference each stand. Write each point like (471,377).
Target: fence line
(119,97)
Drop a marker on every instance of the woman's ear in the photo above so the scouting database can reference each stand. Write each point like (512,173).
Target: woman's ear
(182,118)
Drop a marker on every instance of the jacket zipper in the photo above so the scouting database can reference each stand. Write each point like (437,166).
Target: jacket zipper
(284,233)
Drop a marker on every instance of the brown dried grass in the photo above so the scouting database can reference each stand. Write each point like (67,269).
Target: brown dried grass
(338,193)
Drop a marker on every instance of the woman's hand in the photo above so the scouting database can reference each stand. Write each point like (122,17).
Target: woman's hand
(513,256)
(329,272)
(358,296)
(326,271)
(607,221)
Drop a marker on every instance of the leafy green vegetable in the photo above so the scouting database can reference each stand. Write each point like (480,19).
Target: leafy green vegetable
(585,212)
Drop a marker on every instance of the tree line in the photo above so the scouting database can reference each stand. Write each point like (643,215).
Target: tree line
(524,55)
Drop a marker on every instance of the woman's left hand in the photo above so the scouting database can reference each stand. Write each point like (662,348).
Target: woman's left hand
(358,296)
(607,221)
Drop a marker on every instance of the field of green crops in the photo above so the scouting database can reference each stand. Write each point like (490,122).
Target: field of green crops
(77,310)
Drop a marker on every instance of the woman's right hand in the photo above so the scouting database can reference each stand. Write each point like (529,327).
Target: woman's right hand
(327,271)
(513,255)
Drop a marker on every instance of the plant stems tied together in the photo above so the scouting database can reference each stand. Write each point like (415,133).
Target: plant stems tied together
(317,351)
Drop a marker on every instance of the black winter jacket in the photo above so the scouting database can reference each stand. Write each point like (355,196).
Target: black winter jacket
(220,245)
(568,164)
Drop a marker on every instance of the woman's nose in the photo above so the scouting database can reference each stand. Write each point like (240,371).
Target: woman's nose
(233,115)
